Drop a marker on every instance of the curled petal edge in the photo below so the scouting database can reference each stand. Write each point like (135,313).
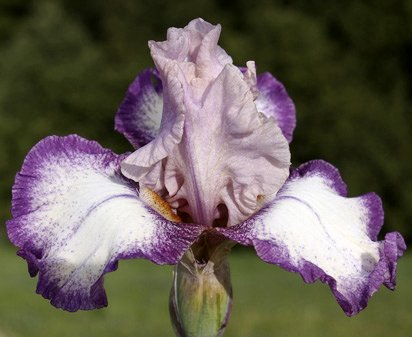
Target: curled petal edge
(75,216)
(358,279)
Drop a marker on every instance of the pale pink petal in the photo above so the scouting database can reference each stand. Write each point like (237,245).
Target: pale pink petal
(224,156)
(228,154)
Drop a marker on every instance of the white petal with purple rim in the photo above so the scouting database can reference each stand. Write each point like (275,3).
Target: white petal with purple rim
(75,215)
(274,101)
(311,228)
(138,117)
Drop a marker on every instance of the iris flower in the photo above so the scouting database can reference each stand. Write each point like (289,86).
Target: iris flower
(211,168)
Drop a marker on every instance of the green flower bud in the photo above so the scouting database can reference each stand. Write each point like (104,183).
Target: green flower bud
(201,295)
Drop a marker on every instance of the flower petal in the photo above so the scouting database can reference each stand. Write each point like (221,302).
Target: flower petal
(196,44)
(146,161)
(233,161)
(228,154)
(75,215)
(312,229)
(139,115)
(274,101)
(175,60)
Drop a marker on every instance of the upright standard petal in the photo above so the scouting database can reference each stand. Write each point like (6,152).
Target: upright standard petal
(75,215)
(146,162)
(139,115)
(229,156)
(311,228)
(183,59)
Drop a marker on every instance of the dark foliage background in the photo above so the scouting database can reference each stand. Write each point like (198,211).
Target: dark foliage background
(65,65)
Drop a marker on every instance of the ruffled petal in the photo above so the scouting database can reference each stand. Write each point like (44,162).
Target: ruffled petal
(194,48)
(186,62)
(228,156)
(75,215)
(274,101)
(311,228)
(235,160)
(139,115)
(146,161)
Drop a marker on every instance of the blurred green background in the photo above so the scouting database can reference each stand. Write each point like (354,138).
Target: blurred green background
(268,302)
(64,68)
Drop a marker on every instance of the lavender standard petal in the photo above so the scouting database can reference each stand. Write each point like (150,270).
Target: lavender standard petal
(311,228)
(228,154)
(75,216)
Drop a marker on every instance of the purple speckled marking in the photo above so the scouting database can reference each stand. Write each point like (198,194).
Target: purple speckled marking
(174,242)
(32,170)
(134,118)
(41,237)
(274,251)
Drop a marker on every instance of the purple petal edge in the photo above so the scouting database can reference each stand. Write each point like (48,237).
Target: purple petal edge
(21,205)
(274,101)
(50,290)
(391,248)
(384,273)
(97,298)
(131,117)
(370,200)
(323,168)
(47,147)
(274,97)
(175,238)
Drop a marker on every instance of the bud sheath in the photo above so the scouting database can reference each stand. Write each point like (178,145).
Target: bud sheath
(201,296)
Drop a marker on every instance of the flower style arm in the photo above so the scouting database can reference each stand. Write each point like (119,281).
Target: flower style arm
(313,229)
(75,216)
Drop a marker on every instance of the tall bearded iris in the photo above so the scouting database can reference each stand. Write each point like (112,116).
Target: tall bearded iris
(211,167)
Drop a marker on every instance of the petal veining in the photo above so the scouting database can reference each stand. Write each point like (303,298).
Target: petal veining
(75,216)
(313,229)
(227,153)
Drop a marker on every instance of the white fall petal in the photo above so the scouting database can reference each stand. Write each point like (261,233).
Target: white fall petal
(313,229)
(75,216)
